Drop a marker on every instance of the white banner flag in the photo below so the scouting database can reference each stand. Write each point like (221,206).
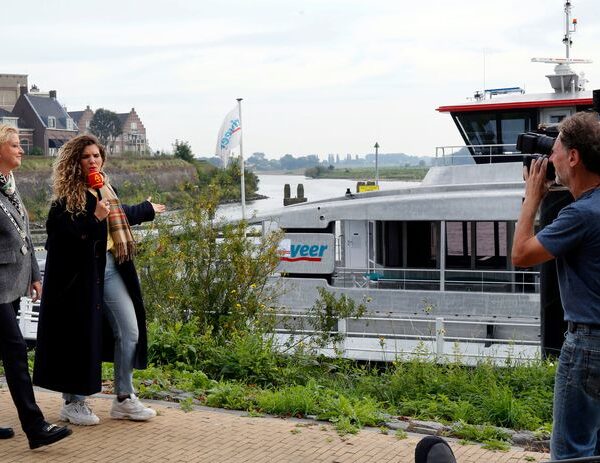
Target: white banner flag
(229,135)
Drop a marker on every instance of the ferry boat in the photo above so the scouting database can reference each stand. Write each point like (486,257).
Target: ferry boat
(434,259)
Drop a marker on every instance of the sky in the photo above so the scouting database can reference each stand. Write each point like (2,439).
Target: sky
(316,76)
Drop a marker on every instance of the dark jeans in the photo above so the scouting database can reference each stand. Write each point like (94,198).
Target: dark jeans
(14,357)
(576,426)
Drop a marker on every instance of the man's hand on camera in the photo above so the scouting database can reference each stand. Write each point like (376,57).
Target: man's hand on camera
(536,183)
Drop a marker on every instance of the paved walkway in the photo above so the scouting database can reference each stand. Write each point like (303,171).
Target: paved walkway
(208,435)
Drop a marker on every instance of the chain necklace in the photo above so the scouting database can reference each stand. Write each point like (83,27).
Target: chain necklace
(24,249)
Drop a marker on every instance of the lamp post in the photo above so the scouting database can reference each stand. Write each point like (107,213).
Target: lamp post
(376,163)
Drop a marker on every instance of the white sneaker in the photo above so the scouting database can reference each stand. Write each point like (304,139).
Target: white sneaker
(131,409)
(78,413)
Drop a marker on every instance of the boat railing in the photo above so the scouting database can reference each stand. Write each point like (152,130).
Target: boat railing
(438,338)
(495,281)
(465,154)
(28,318)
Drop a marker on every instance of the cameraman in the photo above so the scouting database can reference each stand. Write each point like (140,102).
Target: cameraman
(574,240)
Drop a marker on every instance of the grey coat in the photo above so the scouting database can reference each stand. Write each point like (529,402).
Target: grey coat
(17,271)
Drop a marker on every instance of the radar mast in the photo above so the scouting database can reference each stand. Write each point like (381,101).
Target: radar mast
(564,78)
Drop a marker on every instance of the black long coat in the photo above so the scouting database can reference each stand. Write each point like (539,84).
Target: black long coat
(73,336)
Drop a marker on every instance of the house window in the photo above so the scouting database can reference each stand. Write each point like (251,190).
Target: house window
(87,124)
(12,121)
(70,124)
(51,122)
(134,126)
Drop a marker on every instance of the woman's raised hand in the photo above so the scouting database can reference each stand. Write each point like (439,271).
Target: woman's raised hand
(158,208)
(102,209)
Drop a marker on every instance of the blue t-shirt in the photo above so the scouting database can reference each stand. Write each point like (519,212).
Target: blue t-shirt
(574,239)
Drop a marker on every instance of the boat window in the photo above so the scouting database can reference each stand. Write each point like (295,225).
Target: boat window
(491,245)
(371,243)
(407,244)
(493,128)
(487,251)
(513,124)
(479,128)
(458,244)
(421,245)
(379,240)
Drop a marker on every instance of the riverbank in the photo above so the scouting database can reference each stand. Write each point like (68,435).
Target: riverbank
(167,180)
(408,174)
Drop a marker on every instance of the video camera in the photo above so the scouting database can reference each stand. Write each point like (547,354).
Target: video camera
(538,144)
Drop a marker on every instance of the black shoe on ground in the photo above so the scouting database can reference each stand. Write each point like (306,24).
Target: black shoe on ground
(48,434)
(433,449)
(6,433)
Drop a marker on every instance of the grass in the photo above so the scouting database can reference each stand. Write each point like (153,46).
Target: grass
(474,401)
(368,173)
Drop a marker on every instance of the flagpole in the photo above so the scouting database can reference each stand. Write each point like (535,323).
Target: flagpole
(243,182)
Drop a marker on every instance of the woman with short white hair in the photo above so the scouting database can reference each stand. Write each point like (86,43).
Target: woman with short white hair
(19,276)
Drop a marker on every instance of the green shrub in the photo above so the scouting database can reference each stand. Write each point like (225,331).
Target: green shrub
(208,271)
(361,411)
(232,396)
(169,343)
(322,320)
(249,357)
(296,401)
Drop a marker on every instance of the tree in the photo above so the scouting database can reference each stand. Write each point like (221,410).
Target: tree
(183,150)
(288,162)
(106,125)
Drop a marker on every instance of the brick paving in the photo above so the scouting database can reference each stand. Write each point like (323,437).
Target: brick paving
(207,435)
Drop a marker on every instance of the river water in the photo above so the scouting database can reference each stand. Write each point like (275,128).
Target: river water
(314,189)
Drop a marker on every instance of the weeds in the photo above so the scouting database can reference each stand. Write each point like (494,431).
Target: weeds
(400,434)
(479,433)
(246,372)
(496,445)
(187,404)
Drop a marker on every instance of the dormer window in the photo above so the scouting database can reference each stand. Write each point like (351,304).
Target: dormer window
(70,124)
(51,122)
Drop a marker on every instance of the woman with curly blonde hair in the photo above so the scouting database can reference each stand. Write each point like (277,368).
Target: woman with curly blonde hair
(92,310)
(67,167)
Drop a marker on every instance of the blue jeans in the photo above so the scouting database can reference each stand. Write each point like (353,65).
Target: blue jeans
(120,313)
(576,417)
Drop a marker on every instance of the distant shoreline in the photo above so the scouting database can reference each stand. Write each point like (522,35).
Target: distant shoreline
(408,174)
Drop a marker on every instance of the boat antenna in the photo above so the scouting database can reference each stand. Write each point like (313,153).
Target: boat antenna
(564,79)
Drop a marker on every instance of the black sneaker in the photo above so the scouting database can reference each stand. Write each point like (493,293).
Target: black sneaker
(433,449)
(48,434)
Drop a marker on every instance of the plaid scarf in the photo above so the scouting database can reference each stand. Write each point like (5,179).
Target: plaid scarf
(7,186)
(118,226)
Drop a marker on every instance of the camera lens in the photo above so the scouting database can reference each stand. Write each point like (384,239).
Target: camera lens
(535,143)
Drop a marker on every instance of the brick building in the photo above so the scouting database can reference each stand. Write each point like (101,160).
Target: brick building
(133,133)
(82,119)
(49,123)
(133,136)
